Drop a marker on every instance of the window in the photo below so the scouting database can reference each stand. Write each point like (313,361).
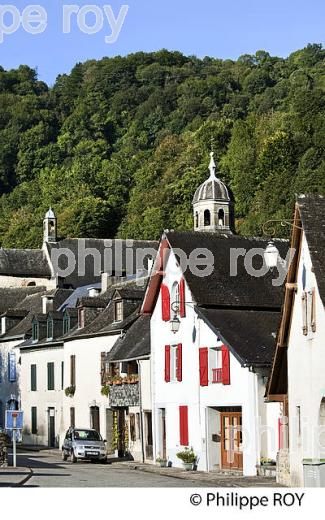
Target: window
(221,217)
(62,375)
(50,328)
(118,311)
(50,376)
(33,378)
(0,367)
(72,417)
(138,425)
(3,324)
(34,419)
(12,375)
(215,365)
(207,218)
(81,318)
(173,363)
(196,219)
(73,370)
(175,299)
(66,324)
(35,330)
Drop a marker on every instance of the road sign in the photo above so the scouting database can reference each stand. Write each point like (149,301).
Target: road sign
(14,420)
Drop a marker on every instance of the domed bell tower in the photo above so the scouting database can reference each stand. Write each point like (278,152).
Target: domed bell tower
(212,206)
(50,227)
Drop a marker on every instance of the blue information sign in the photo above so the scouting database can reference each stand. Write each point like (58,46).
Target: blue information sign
(11,415)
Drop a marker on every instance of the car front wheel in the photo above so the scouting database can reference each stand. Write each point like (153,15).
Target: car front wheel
(73,457)
(64,455)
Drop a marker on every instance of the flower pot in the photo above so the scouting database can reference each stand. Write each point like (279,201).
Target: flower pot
(162,463)
(188,466)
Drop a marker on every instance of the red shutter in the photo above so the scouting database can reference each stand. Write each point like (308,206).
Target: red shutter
(182,310)
(179,362)
(183,425)
(225,365)
(167,363)
(165,302)
(204,377)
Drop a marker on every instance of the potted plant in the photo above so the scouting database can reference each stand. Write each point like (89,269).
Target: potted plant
(161,462)
(267,462)
(105,390)
(188,457)
(70,391)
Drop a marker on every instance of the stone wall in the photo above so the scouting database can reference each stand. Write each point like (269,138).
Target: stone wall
(283,468)
(124,395)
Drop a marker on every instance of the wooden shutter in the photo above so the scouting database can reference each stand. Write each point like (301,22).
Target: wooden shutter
(183,425)
(50,376)
(204,366)
(179,368)
(313,310)
(165,303)
(167,363)
(33,376)
(304,313)
(102,367)
(72,417)
(182,310)
(73,370)
(225,365)
(34,419)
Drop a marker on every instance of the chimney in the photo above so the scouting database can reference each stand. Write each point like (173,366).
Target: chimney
(47,304)
(93,291)
(108,280)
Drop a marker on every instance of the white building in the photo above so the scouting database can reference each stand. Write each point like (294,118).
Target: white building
(297,379)
(212,343)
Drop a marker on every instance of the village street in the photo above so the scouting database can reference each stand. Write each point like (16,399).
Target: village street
(48,470)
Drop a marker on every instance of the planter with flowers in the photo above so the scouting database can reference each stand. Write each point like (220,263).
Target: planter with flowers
(188,457)
(161,462)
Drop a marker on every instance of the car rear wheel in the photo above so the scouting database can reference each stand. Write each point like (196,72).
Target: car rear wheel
(73,457)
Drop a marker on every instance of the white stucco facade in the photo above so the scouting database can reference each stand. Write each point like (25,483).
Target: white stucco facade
(48,403)
(87,352)
(245,393)
(306,380)
(9,386)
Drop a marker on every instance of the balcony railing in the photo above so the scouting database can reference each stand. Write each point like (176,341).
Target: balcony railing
(217,375)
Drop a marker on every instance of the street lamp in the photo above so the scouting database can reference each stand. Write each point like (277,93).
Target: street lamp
(175,322)
(271,255)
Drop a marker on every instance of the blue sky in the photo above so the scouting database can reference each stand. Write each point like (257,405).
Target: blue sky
(220,28)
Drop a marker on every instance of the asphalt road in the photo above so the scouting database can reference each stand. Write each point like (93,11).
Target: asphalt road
(50,471)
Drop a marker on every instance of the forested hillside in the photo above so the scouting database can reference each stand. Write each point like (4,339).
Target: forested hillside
(118,147)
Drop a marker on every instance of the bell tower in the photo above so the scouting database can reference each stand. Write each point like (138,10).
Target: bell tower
(212,205)
(50,227)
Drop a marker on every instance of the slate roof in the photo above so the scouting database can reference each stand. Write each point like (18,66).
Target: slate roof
(312,213)
(135,343)
(114,256)
(220,288)
(24,262)
(33,304)
(249,334)
(10,298)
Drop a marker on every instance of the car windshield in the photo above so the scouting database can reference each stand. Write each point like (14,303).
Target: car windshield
(86,435)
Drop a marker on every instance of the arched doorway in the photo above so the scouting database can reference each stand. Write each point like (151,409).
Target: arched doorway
(221,218)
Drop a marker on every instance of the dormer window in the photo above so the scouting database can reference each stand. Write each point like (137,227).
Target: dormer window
(3,325)
(49,328)
(35,331)
(66,324)
(118,311)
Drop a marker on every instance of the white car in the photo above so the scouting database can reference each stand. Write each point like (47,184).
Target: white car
(84,444)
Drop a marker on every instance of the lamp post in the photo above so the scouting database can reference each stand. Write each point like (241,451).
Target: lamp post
(271,253)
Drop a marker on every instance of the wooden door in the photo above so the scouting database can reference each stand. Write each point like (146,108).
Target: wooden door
(94,418)
(231,440)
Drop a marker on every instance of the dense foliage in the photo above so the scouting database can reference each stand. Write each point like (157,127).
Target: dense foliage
(118,147)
